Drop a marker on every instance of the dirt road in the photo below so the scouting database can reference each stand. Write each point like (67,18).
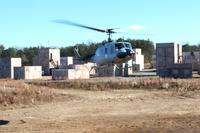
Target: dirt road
(112,111)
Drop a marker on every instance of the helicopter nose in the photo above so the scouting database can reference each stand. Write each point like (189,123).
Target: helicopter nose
(122,55)
(129,52)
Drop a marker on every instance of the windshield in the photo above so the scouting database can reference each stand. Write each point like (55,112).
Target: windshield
(128,45)
(119,45)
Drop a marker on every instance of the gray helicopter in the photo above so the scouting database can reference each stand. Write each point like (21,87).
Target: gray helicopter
(109,53)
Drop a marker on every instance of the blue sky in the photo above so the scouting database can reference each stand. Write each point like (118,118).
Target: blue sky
(29,22)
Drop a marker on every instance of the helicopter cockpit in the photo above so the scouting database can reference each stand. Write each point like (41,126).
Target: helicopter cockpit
(124,50)
(128,45)
(118,46)
(121,45)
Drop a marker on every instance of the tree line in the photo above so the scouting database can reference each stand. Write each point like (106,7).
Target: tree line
(28,53)
(190,48)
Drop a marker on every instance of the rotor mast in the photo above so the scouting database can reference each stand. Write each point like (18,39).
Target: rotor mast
(110,32)
(109,37)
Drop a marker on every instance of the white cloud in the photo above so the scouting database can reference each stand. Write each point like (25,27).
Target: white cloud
(130,28)
(136,27)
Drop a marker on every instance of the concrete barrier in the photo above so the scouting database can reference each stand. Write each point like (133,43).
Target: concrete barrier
(176,71)
(63,74)
(28,72)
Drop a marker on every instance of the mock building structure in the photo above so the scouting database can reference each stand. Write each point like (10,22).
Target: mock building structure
(167,54)
(138,60)
(47,58)
(65,62)
(7,67)
(169,61)
(192,57)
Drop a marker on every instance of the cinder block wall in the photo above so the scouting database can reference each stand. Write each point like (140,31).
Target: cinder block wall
(65,62)
(7,67)
(55,54)
(168,54)
(28,72)
(138,60)
(193,58)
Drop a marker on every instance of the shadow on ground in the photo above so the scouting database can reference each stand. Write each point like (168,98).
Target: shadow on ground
(3,122)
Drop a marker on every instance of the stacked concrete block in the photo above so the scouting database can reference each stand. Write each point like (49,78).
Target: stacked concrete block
(66,62)
(135,64)
(127,72)
(106,70)
(62,74)
(153,61)
(59,74)
(138,60)
(193,58)
(91,67)
(80,67)
(136,67)
(47,58)
(178,71)
(118,70)
(110,70)
(181,70)
(78,72)
(28,72)
(127,68)
(167,54)
(7,67)
(169,60)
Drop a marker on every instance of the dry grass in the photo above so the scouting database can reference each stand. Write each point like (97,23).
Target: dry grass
(125,83)
(17,92)
(180,87)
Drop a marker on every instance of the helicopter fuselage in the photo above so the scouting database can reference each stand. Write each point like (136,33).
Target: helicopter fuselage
(113,53)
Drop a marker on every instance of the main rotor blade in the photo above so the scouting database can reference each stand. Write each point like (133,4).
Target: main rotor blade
(111,30)
(62,21)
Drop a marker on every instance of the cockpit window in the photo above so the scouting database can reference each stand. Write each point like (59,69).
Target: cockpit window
(119,45)
(128,45)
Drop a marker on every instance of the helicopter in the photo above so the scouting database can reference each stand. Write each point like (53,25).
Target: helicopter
(109,53)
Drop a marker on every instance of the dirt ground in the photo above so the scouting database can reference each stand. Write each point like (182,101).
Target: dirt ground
(111,111)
